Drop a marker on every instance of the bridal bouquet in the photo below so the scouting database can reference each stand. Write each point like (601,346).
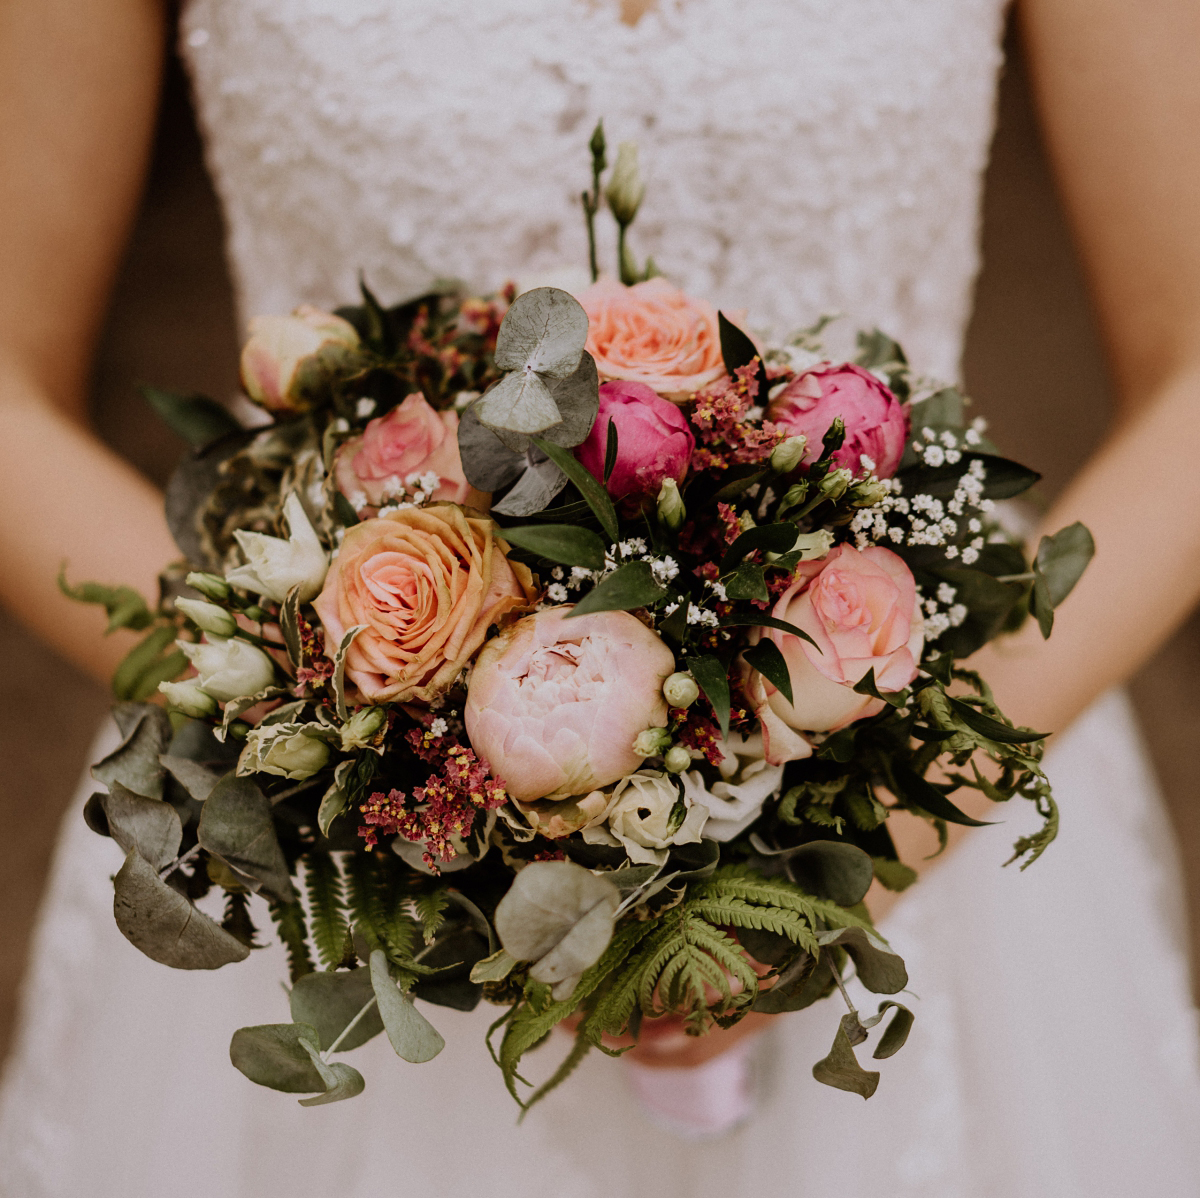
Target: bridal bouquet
(565,651)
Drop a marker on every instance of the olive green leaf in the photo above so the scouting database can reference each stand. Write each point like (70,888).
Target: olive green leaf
(330,1002)
(236,825)
(412,1035)
(134,763)
(627,587)
(841,1068)
(880,969)
(274,1055)
(149,826)
(339,1079)
(568,544)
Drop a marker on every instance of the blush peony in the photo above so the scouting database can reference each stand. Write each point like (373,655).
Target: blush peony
(654,334)
(876,421)
(654,441)
(860,606)
(555,704)
(412,439)
(425,584)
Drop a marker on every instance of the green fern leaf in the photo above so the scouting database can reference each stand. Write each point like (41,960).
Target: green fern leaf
(327,904)
(289,919)
(431,911)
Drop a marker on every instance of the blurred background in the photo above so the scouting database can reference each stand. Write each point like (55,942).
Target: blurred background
(1033,363)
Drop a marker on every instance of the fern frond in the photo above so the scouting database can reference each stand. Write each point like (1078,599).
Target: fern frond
(741,882)
(570,1063)
(289,919)
(738,913)
(327,904)
(364,894)
(430,909)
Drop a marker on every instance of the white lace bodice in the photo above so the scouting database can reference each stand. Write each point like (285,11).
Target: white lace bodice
(802,156)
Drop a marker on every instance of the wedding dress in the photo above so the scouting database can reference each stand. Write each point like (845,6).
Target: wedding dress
(802,156)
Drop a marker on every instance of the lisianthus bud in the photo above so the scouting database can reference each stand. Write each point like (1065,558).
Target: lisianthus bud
(788,454)
(810,545)
(208,617)
(283,749)
(868,492)
(362,729)
(677,759)
(671,509)
(625,187)
(680,690)
(273,565)
(288,357)
(230,669)
(211,586)
(651,742)
(834,484)
(189,698)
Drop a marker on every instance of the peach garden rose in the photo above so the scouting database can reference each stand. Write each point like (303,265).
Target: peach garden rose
(653,333)
(426,584)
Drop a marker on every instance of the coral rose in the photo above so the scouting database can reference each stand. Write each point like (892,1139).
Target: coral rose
(654,441)
(412,439)
(554,704)
(860,606)
(654,334)
(425,584)
(876,421)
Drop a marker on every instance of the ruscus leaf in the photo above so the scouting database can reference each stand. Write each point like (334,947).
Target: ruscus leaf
(627,587)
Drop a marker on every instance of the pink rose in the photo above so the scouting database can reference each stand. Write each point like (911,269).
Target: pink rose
(654,441)
(860,606)
(287,358)
(411,439)
(876,421)
(425,583)
(654,334)
(554,704)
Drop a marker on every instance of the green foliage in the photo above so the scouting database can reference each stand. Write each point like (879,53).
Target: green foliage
(431,911)
(196,418)
(327,903)
(293,931)
(125,607)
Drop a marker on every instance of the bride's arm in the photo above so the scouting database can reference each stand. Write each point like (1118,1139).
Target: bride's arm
(78,93)
(1118,89)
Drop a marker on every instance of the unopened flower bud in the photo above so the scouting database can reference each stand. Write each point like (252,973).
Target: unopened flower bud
(211,586)
(677,759)
(680,690)
(813,545)
(189,698)
(287,358)
(868,492)
(230,669)
(671,509)
(835,483)
(788,454)
(651,742)
(282,749)
(208,617)
(625,187)
(361,730)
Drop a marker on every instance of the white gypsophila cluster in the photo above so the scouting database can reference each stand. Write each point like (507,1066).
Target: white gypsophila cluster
(940,610)
(567,583)
(364,407)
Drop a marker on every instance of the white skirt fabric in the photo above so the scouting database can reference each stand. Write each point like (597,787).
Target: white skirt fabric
(1055,1052)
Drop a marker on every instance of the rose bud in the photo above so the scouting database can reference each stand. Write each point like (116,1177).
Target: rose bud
(208,617)
(274,566)
(654,442)
(283,749)
(230,669)
(681,690)
(211,586)
(554,704)
(861,609)
(189,698)
(671,510)
(876,421)
(287,358)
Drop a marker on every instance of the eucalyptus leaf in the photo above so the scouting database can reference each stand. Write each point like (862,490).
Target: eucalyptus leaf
(198,780)
(565,543)
(412,1035)
(236,825)
(521,403)
(340,1080)
(160,921)
(487,462)
(841,1068)
(880,969)
(330,1002)
(134,763)
(713,680)
(627,587)
(766,658)
(544,330)
(896,1033)
(535,489)
(274,1055)
(577,398)
(494,968)
(801,984)
(1062,559)
(150,827)
(832,869)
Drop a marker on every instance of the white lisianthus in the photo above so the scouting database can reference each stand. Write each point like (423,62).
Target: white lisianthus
(647,816)
(189,698)
(273,565)
(208,617)
(283,749)
(230,669)
(735,799)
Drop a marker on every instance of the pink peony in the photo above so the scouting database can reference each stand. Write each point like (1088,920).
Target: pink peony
(860,606)
(425,584)
(412,439)
(654,441)
(876,421)
(554,704)
(287,358)
(652,333)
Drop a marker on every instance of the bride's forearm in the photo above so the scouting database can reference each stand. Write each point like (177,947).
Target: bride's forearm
(68,498)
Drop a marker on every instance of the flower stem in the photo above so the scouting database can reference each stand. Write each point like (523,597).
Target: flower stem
(347,1030)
